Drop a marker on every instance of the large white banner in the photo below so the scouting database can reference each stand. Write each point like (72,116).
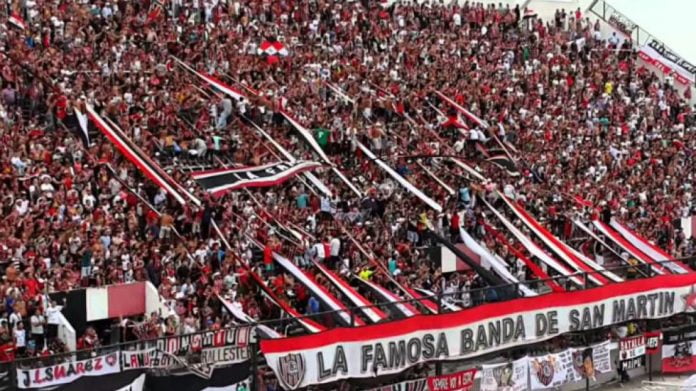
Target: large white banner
(551,370)
(390,348)
(509,376)
(570,366)
(588,362)
(68,372)
(658,55)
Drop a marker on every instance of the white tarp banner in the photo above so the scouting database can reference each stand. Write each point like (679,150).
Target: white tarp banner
(551,371)
(509,376)
(590,361)
(67,372)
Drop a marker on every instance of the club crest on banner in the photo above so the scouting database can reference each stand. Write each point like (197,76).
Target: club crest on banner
(291,370)
(545,369)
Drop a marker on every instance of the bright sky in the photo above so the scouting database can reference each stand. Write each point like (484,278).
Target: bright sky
(669,21)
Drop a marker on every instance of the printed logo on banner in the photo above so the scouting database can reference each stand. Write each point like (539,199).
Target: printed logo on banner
(291,369)
(545,369)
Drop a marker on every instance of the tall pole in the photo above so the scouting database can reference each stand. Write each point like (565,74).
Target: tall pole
(254,346)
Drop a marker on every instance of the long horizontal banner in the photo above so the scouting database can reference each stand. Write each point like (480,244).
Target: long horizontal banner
(383,349)
(221,181)
(152,358)
(660,56)
(236,377)
(67,372)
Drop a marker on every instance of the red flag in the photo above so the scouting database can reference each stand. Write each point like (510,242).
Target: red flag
(17,21)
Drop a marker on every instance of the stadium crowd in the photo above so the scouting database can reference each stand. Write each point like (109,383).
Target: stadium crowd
(584,117)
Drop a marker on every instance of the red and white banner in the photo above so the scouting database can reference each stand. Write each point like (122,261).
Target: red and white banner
(136,156)
(617,239)
(407,309)
(113,301)
(321,293)
(458,381)
(389,348)
(272,48)
(679,345)
(653,342)
(68,372)
(658,55)
(373,313)
(631,347)
(649,249)
(535,250)
(562,250)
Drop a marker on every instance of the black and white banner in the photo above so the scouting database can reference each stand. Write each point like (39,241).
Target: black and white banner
(221,181)
(136,156)
(657,54)
(409,385)
(510,376)
(197,353)
(384,349)
(67,372)
(201,362)
(137,385)
(397,177)
(649,249)
(505,163)
(234,377)
(632,352)
(228,378)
